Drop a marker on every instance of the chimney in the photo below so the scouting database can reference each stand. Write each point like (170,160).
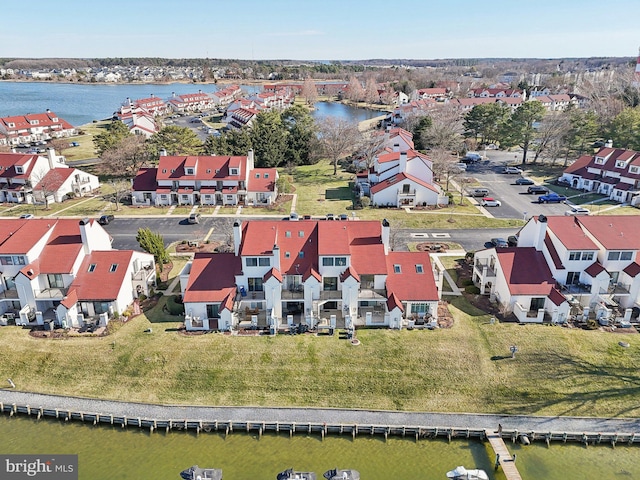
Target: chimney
(609,144)
(276,257)
(163,152)
(402,166)
(386,231)
(51,156)
(237,237)
(86,235)
(541,232)
(173,94)
(250,161)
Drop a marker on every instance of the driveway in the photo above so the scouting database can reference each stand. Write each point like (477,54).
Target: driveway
(516,202)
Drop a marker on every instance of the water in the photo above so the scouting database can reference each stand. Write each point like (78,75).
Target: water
(80,104)
(107,452)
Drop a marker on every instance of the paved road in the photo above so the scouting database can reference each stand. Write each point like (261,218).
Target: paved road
(522,423)
(174,229)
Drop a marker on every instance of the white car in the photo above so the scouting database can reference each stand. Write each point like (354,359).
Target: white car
(511,170)
(578,211)
(490,202)
(461,166)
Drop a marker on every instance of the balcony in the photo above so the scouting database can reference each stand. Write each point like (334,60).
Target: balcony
(293,292)
(576,289)
(12,293)
(330,295)
(484,268)
(372,294)
(52,294)
(616,289)
(145,273)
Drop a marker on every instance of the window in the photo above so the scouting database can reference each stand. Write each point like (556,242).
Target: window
(229,198)
(327,262)
(264,262)
(613,256)
(287,234)
(185,197)
(301,233)
(587,255)
(330,283)
(208,170)
(18,169)
(573,278)
(92,267)
(233,171)
(213,311)
(405,188)
(287,254)
(341,261)
(633,170)
(255,284)
(55,280)
(536,304)
(257,175)
(266,175)
(113,268)
(419,269)
(397,269)
(625,255)
(420,308)
(301,254)
(163,197)
(251,262)
(189,171)
(574,255)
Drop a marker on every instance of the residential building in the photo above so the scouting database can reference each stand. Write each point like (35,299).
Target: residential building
(65,271)
(190,102)
(24,129)
(566,265)
(29,178)
(614,172)
(324,274)
(205,180)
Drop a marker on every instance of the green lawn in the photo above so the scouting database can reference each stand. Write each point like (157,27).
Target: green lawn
(463,369)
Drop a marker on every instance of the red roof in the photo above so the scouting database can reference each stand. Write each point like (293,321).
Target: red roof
(569,231)
(633,269)
(262,180)
(614,232)
(145,179)
(103,282)
(414,280)
(525,271)
(400,177)
(212,277)
(54,179)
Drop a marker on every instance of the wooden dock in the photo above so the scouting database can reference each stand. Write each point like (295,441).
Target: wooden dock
(505,459)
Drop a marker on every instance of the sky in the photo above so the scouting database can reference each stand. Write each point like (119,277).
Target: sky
(319,30)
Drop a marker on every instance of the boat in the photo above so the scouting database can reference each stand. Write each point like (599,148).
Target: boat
(461,473)
(291,474)
(337,474)
(197,473)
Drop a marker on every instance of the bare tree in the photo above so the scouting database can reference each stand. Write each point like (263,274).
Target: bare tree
(46,183)
(371,94)
(126,158)
(553,128)
(355,92)
(372,144)
(121,188)
(309,91)
(338,138)
(445,131)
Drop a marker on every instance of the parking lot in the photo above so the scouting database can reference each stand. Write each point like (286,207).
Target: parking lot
(516,202)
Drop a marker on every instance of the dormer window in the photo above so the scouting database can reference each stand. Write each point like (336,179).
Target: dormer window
(600,160)
(18,169)
(620,164)
(397,269)
(208,170)
(11,125)
(34,122)
(233,171)
(190,171)
(419,269)
(164,170)
(173,170)
(54,119)
(92,267)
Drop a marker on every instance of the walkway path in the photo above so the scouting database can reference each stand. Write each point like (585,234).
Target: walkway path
(334,416)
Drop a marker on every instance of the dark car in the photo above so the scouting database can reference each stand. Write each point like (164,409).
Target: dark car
(538,189)
(343,216)
(512,240)
(105,219)
(499,242)
(330,216)
(551,198)
(523,181)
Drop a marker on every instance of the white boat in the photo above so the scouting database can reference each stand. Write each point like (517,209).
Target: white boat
(461,473)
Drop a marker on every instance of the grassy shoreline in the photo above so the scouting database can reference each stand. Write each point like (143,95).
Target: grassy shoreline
(467,368)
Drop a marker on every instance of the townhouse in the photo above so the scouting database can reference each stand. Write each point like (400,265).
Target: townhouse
(323,274)
(29,178)
(64,271)
(614,172)
(586,267)
(401,176)
(24,129)
(190,102)
(205,180)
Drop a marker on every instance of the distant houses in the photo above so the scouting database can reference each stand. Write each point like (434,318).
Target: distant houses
(25,129)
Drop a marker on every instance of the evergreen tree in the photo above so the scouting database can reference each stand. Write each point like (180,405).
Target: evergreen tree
(153,243)
(175,141)
(116,132)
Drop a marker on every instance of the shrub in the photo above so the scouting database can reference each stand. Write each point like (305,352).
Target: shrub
(365,202)
(174,307)
(467,282)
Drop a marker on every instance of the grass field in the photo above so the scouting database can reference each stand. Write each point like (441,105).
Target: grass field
(467,368)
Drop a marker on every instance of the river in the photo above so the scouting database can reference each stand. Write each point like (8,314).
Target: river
(107,452)
(80,104)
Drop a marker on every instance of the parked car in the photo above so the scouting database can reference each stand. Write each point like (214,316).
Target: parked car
(294,217)
(472,157)
(461,166)
(499,242)
(74,144)
(26,216)
(512,170)
(523,181)
(490,202)
(194,218)
(551,198)
(578,211)
(538,189)
(330,216)
(478,192)
(105,219)
(344,216)
(512,240)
